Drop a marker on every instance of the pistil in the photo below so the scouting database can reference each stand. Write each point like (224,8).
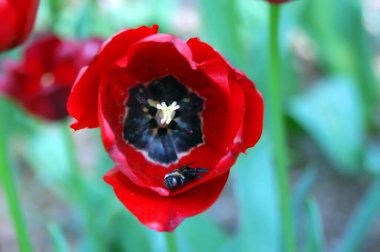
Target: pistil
(47,79)
(165,113)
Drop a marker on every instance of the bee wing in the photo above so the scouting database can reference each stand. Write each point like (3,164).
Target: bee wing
(187,165)
(198,176)
(201,170)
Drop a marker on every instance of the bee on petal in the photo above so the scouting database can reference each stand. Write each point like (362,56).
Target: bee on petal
(178,177)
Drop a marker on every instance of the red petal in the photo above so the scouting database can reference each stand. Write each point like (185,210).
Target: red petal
(17,21)
(82,104)
(202,52)
(254,107)
(157,56)
(39,57)
(164,213)
(254,112)
(158,40)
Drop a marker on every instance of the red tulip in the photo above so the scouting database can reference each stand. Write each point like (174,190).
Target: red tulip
(42,80)
(174,117)
(17,19)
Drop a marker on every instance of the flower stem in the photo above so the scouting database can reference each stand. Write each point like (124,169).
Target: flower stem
(9,187)
(79,186)
(171,244)
(278,131)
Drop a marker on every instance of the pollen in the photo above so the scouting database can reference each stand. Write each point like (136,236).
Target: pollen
(166,113)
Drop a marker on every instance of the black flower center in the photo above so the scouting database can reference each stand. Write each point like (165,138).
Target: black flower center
(163,120)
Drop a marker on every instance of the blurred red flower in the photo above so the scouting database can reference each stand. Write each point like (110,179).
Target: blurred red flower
(17,19)
(164,104)
(41,81)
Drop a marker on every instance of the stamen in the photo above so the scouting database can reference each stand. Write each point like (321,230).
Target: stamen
(166,113)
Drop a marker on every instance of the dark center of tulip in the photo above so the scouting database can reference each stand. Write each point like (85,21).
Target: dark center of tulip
(163,120)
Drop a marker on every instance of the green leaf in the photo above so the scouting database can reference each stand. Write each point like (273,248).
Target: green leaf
(362,219)
(372,159)
(303,187)
(18,121)
(200,234)
(46,153)
(315,238)
(332,113)
(124,231)
(344,47)
(58,239)
(255,186)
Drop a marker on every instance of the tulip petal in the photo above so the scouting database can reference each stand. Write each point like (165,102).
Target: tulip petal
(164,213)
(17,21)
(254,107)
(82,104)
(254,112)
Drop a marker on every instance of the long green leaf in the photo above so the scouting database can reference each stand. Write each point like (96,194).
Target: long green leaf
(362,219)
(8,183)
(315,239)
(255,186)
(59,242)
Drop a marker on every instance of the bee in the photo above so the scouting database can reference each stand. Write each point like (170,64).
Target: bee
(178,177)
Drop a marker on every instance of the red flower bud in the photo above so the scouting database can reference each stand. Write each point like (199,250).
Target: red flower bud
(42,80)
(17,19)
(174,117)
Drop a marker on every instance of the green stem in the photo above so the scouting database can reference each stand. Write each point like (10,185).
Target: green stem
(79,186)
(278,132)
(171,244)
(75,173)
(9,187)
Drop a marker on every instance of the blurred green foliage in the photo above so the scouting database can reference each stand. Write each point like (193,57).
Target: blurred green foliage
(331,99)
(332,113)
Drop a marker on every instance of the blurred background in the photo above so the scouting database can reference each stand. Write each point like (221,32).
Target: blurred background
(330,53)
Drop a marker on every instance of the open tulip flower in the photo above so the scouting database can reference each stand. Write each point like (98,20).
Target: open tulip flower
(17,20)
(42,80)
(174,117)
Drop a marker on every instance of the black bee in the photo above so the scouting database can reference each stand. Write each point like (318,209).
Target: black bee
(183,174)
